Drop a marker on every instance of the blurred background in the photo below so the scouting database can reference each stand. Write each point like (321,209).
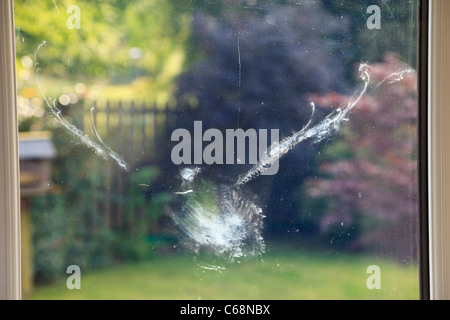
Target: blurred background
(133,71)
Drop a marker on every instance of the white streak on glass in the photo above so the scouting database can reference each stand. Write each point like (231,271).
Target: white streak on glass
(239,60)
(395,77)
(322,130)
(185,192)
(101,149)
(113,155)
(56,6)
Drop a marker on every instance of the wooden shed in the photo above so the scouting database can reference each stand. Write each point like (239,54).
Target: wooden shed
(35,151)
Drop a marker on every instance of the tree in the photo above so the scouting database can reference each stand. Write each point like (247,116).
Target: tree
(374,186)
(138,45)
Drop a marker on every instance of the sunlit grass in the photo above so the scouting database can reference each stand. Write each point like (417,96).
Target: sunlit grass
(279,275)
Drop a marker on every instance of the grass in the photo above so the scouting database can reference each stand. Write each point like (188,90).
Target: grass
(286,275)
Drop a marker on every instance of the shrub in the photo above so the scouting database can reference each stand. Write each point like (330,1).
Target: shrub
(374,186)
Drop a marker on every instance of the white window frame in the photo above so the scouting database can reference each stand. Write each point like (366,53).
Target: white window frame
(438,119)
(439,149)
(10,266)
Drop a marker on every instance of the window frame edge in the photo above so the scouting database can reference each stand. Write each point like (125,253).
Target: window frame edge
(10,247)
(438,150)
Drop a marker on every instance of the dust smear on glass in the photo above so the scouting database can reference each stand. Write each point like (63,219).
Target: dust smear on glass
(227,224)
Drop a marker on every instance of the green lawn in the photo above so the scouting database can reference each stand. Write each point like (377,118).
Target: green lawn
(280,275)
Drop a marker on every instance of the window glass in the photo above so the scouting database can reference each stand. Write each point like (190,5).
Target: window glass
(226,149)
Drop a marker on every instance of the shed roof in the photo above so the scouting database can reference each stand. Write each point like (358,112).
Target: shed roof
(36,145)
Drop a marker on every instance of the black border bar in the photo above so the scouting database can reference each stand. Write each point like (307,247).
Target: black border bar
(423,54)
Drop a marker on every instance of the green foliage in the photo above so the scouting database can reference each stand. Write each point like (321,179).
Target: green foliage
(131,243)
(70,226)
(101,52)
(69,51)
(49,238)
(84,239)
(375,189)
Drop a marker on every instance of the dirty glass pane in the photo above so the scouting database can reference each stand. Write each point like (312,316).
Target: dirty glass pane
(227,149)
